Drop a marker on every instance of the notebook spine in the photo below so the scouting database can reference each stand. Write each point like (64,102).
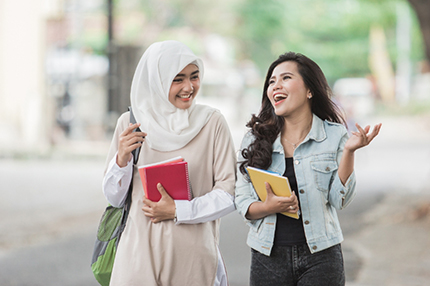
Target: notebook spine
(190,195)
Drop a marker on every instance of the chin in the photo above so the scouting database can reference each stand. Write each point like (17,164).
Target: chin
(184,105)
(279,112)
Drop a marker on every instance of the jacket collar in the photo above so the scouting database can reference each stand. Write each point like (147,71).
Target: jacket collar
(317,134)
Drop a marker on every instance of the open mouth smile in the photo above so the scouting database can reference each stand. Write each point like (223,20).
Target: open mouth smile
(279,97)
(185,97)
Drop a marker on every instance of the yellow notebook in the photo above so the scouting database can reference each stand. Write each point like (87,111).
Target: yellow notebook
(279,184)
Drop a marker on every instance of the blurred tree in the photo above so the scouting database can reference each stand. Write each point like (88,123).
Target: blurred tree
(259,27)
(422,9)
(335,33)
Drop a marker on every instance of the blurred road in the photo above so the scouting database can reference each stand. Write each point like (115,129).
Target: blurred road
(50,209)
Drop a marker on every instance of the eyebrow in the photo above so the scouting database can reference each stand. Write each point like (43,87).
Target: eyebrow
(284,73)
(193,73)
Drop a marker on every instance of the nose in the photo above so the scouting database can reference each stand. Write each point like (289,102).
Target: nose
(188,87)
(276,85)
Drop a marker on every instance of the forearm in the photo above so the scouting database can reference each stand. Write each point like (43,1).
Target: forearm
(211,206)
(258,210)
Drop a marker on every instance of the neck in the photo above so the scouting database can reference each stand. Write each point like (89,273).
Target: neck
(297,128)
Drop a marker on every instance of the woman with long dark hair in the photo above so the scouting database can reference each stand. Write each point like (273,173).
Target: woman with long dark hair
(299,133)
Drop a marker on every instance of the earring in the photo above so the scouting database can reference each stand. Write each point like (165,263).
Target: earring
(309,96)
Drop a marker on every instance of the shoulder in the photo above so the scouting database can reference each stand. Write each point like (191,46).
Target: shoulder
(217,121)
(334,129)
(123,121)
(247,139)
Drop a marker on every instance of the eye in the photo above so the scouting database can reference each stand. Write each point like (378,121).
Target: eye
(177,80)
(286,77)
(271,82)
(195,77)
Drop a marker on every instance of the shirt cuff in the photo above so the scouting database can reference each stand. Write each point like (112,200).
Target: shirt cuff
(183,210)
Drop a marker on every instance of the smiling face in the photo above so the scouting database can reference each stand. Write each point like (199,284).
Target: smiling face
(287,91)
(184,87)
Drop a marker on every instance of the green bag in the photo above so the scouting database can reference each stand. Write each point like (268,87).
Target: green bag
(111,226)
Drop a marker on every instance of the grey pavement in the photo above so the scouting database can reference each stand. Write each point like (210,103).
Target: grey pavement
(50,209)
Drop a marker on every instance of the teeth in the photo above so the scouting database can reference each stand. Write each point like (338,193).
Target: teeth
(185,96)
(279,97)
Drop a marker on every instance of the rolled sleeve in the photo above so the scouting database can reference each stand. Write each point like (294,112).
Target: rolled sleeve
(245,194)
(342,195)
(116,182)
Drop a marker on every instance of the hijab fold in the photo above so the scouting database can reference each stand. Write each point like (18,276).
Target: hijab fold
(168,127)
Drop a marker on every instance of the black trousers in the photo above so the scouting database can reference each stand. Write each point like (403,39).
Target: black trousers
(296,266)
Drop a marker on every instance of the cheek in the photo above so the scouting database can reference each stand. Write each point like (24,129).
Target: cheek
(196,86)
(172,94)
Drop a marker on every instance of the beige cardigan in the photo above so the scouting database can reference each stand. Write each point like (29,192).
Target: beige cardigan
(168,254)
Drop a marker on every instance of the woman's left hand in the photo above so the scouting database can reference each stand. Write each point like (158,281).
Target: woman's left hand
(362,137)
(164,209)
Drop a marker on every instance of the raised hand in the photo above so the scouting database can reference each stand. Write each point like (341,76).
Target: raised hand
(164,209)
(362,137)
(129,141)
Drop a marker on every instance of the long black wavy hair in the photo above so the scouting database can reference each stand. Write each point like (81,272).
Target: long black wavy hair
(267,125)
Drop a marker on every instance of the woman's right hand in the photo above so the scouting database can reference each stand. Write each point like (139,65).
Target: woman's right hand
(129,141)
(276,204)
(272,204)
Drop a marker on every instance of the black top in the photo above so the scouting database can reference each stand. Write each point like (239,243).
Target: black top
(289,231)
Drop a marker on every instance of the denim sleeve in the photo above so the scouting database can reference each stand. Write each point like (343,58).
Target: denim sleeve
(244,192)
(340,196)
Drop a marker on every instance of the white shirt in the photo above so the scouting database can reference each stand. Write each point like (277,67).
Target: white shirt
(215,204)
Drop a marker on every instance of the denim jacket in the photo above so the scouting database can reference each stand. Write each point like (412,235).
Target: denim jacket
(321,192)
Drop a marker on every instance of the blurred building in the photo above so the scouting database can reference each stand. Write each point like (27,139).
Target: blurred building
(50,90)
(25,109)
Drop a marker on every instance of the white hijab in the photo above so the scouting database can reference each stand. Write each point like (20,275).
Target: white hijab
(168,128)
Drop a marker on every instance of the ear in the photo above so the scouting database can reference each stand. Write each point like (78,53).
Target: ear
(309,95)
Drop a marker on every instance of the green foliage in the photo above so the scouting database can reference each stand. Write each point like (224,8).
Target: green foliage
(334,33)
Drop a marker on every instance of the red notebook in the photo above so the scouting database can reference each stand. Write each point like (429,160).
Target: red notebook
(172,174)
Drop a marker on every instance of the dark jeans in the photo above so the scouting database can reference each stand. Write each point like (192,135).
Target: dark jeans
(295,265)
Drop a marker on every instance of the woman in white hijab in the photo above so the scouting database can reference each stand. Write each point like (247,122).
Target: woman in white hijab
(171,242)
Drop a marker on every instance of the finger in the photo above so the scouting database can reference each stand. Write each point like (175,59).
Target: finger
(295,200)
(374,132)
(130,129)
(161,190)
(135,135)
(155,220)
(366,129)
(361,130)
(148,202)
(132,139)
(269,189)
(147,211)
(129,149)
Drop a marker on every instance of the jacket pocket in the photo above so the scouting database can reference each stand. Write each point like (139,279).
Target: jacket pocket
(323,174)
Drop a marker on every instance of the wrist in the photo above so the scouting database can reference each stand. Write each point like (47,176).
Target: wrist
(121,162)
(349,152)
